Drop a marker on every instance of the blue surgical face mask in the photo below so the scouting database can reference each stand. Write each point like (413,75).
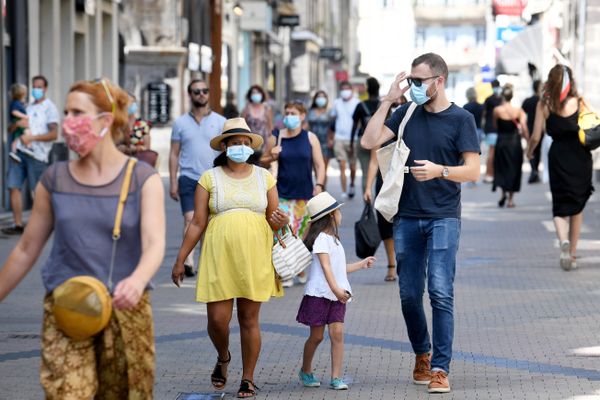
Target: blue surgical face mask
(419,93)
(291,121)
(132,109)
(37,93)
(256,98)
(321,102)
(239,153)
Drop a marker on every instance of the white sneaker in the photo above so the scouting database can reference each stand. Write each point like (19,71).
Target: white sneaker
(344,196)
(566,262)
(288,283)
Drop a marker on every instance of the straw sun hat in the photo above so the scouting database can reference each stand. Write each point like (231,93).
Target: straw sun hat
(236,127)
(321,205)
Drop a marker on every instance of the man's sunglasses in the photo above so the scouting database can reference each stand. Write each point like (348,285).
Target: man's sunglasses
(196,92)
(419,81)
(102,81)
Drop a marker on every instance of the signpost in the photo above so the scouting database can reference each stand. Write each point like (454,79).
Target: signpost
(159,102)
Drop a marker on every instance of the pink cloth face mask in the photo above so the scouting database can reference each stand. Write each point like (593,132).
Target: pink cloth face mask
(79,134)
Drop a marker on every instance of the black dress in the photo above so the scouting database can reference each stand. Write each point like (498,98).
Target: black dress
(570,166)
(508,158)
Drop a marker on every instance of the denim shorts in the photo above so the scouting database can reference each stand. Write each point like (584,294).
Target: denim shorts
(29,168)
(319,311)
(187,191)
(491,138)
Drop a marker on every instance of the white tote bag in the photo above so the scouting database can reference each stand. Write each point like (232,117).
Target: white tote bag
(290,255)
(392,164)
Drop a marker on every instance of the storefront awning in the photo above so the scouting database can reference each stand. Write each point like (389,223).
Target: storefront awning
(527,47)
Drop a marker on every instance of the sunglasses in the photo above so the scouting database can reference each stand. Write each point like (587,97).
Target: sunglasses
(107,91)
(419,81)
(196,92)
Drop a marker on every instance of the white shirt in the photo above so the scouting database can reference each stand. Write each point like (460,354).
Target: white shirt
(317,285)
(343,111)
(40,116)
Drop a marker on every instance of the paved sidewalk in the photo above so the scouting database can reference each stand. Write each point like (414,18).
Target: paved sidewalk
(518,318)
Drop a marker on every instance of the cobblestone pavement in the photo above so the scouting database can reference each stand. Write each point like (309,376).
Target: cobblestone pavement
(518,318)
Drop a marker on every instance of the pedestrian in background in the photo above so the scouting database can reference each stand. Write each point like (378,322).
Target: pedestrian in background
(17,111)
(230,110)
(530,107)
(362,114)
(191,154)
(475,108)
(137,137)
(491,136)
(570,164)
(327,290)
(298,153)
(236,211)
(319,122)
(258,115)
(342,112)
(33,149)
(444,152)
(76,201)
(385,228)
(511,125)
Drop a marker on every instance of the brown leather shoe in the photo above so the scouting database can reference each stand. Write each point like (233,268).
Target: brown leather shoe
(439,382)
(422,371)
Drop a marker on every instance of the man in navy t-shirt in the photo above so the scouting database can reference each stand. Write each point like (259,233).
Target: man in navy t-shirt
(444,152)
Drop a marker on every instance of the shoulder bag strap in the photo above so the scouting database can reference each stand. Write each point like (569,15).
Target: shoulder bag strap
(407,116)
(116,233)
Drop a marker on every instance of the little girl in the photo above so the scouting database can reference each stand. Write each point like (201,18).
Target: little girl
(327,290)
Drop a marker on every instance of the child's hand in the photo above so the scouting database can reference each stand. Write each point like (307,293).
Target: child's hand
(342,295)
(368,262)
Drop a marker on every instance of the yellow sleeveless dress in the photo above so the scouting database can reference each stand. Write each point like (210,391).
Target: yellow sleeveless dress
(236,260)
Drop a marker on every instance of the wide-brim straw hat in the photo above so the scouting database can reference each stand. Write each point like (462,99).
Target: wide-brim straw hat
(236,127)
(321,205)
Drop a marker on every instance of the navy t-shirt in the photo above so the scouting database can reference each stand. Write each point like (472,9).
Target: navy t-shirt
(440,138)
(477,110)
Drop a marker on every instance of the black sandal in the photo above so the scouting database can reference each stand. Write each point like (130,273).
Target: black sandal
(245,391)
(390,278)
(217,378)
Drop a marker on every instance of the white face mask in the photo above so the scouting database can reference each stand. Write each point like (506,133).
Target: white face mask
(346,94)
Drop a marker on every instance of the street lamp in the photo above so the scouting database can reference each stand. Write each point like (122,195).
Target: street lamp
(238,9)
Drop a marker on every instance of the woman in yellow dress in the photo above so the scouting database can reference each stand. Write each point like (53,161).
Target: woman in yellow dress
(236,209)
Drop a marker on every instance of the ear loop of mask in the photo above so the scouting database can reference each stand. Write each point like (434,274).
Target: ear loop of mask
(566,85)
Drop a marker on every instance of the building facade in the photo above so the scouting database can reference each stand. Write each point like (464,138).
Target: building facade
(458,31)
(64,40)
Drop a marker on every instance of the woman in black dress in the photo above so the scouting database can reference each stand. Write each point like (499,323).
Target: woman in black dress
(510,123)
(570,164)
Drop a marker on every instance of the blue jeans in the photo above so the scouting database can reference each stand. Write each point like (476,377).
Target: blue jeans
(426,248)
(29,168)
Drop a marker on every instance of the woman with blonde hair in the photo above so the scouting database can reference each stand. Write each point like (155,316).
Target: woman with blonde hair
(76,200)
(570,164)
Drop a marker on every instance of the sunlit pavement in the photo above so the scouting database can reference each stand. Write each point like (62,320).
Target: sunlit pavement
(524,328)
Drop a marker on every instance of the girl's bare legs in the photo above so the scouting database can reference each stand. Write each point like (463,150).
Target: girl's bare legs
(336,335)
(310,347)
(219,316)
(510,204)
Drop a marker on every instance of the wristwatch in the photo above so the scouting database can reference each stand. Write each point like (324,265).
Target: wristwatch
(445,172)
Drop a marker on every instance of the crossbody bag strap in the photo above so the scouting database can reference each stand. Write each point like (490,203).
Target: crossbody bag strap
(409,112)
(116,233)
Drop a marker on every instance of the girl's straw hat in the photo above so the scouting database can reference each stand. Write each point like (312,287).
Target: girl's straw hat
(236,127)
(321,205)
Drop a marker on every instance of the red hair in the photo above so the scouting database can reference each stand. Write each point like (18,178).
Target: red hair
(97,93)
